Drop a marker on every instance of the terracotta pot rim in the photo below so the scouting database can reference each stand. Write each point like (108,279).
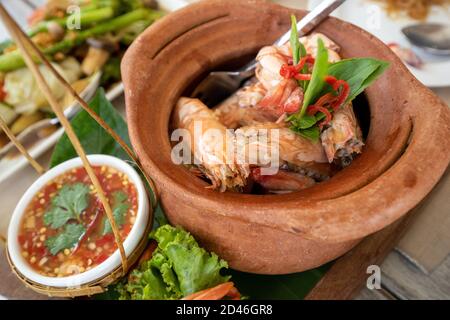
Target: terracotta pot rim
(342,218)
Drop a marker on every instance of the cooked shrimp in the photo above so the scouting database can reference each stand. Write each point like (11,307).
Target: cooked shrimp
(284,98)
(310,43)
(209,145)
(292,149)
(284,95)
(344,137)
(240,109)
(282,182)
(271,59)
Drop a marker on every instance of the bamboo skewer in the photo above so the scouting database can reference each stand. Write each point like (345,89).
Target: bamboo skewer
(40,170)
(85,107)
(21,42)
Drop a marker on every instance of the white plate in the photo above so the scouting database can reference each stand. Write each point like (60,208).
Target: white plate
(370,16)
(9,166)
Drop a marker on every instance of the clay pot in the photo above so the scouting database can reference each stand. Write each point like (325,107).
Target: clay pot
(406,149)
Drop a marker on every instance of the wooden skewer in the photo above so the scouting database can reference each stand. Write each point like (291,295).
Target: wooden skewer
(3,239)
(22,43)
(92,113)
(20,147)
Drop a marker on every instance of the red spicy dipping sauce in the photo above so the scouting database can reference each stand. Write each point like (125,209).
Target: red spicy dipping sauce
(65,231)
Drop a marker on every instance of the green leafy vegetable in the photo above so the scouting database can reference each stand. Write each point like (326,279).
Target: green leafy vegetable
(120,208)
(298,49)
(312,133)
(13,60)
(178,268)
(305,122)
(300,122)
(93,137)
(66,239)
(317,83)
(359,73)
(111,71)
(295,43)
(68,204)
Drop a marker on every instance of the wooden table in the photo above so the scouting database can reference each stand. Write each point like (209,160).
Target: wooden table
(402,278)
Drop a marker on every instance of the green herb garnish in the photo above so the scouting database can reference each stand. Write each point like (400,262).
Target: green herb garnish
(295,42)
(298,50)
(68,204)
(300,121)
(120,208)
(317,82)
(359,73)
(68,238)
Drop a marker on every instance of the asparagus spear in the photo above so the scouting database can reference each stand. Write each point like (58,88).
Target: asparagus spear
(13,60)
(88,15)
(86,18)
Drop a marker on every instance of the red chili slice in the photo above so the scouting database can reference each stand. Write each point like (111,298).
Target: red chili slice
(341,87)
(312,110)
(301,76)
(326,99)
(102,257)
(290,71)
(107,238)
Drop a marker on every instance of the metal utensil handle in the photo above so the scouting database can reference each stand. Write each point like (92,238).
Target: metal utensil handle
(304,26)
(312,19)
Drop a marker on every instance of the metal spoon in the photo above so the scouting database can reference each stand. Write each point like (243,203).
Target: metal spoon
(433,38)
(219,85)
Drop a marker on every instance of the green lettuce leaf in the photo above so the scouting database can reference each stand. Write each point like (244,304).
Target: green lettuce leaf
(178,268)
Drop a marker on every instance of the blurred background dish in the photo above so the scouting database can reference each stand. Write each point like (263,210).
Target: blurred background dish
(386,18)
(98,47)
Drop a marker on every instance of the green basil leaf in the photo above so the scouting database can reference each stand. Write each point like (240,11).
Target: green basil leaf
(305,122)
(303,53)
(295,43)
(320,116)
(312,133)
(359,73)
(317,83)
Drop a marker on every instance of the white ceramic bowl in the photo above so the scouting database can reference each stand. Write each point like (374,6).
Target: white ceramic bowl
(110,264)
